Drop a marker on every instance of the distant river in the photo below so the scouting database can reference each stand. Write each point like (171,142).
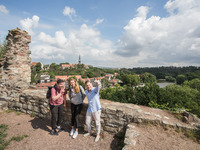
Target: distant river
(164,84)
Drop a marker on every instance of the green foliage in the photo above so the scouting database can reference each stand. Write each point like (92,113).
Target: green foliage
(149,93)
(64,63)
(119,94)
(129,79)
(18,138)
(181,97)
(105,83)
(180,79)
(81,83)
(193,134)
(148,78)
(170,79)
(195,84)
(3,46)
(38,67)
(3,135)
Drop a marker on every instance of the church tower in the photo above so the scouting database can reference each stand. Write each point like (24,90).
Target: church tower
(79,61)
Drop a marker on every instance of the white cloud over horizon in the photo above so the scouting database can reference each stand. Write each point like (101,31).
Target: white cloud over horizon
(85,42)
(174,39)
(3,9)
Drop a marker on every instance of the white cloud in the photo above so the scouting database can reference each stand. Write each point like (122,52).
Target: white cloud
(174,39)
(3,9)
(29,24)
(98,21)
(69,11)
(86,41)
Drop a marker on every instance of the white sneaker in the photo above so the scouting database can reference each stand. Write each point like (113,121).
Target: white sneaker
(72,132)
(87,134)
(97,138)
(75,135)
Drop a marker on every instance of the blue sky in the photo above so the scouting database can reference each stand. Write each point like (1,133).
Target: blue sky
(123,33)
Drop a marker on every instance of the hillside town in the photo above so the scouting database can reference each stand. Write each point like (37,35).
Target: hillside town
(45,81)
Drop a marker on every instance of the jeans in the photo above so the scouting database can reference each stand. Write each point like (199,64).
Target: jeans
(97,117)
(56,115)
(75,110)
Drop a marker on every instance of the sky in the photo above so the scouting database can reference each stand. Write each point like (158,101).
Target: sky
(108,33)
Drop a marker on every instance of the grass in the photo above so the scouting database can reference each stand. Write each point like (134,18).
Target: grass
(192,134)
(3,135)
(16,112)
(32,114)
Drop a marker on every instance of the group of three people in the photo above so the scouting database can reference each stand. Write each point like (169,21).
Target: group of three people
(76,95)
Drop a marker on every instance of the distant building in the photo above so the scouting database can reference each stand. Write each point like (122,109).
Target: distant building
(109,76)
(115,74)
(43,86)
(63,66)
(65,78)
(35,63)
(44,79)
(113,82)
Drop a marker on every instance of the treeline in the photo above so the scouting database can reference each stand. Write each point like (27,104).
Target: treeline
(173,97)
(172,74)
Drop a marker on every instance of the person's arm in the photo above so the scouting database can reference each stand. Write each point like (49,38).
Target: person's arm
(54,96)
(64,99)
(97,88)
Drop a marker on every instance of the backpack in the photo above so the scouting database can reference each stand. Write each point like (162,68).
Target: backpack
(48,94)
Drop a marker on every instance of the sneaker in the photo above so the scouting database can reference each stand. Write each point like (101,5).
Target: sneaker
(75,134)
(72,132)
(87,134)
(54,132)
(60,129)
(97,138)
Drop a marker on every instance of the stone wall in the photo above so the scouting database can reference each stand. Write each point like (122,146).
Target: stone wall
(114,118)
(15,75)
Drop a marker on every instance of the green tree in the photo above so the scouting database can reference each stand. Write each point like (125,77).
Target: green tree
(129,79)
(180,79)
(38,67)
(105,83)
(3,46)
(54,66)
(170,79)
(195,84)
(177,96)
(52,75)
(148,78)
(144,95)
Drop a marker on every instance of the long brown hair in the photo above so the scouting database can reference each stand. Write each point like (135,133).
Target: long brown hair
(77,89)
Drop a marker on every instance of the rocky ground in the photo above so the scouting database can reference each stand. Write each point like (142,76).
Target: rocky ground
(150,138)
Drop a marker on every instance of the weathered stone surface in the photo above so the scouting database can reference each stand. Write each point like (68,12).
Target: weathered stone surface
(15,69)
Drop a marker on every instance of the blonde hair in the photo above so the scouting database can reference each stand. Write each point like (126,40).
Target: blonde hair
(77,89)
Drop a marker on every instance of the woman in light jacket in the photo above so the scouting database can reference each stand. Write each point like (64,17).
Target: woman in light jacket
(76,95)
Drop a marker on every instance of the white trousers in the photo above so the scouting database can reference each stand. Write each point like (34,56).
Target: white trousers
(96,115)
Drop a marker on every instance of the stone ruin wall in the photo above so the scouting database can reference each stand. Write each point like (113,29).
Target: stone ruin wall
(15,67)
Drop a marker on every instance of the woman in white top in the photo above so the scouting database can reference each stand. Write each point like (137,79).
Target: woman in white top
(76,95)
